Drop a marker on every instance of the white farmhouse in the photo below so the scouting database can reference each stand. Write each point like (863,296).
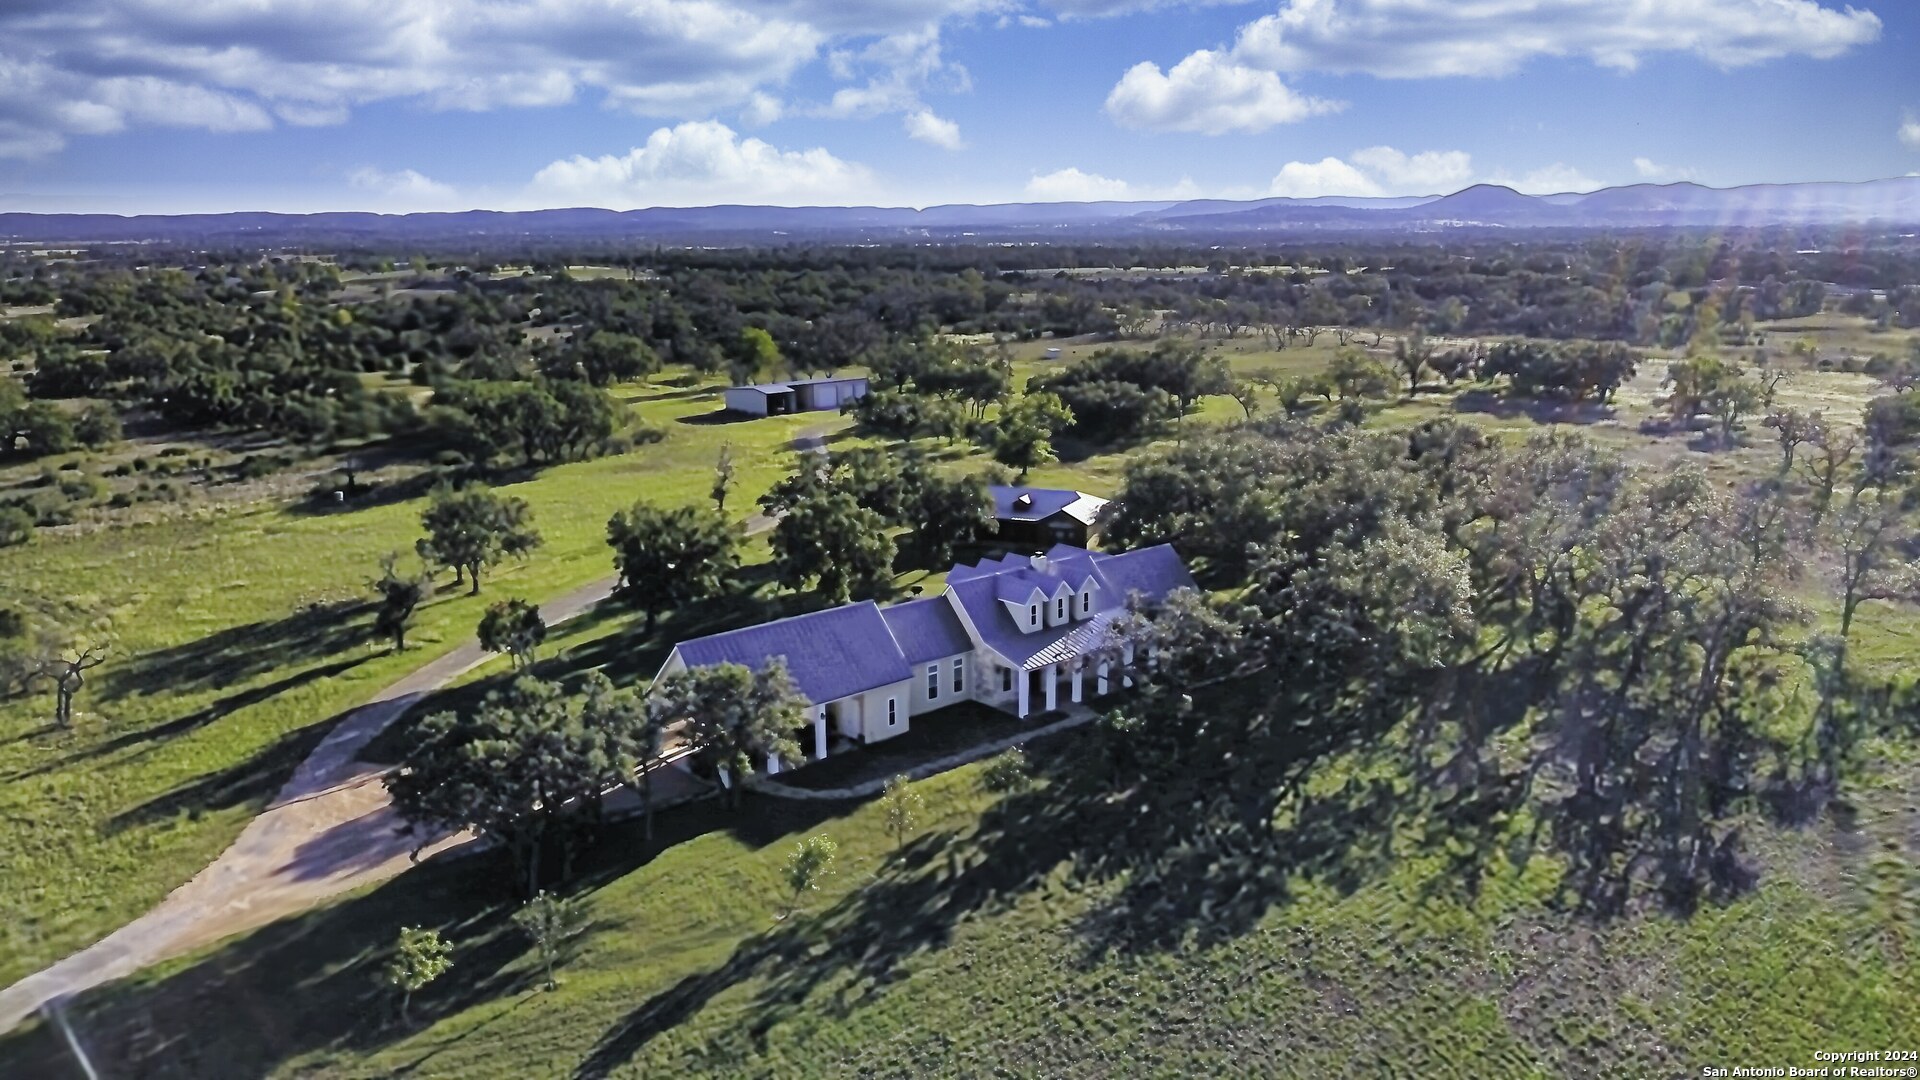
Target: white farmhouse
(1020,634)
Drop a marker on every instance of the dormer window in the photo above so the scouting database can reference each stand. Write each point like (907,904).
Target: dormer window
(1060,610)
(1033,617)
(1086,602)
(1024,501)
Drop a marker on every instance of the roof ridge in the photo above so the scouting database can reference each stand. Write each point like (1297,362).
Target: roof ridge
(848,606)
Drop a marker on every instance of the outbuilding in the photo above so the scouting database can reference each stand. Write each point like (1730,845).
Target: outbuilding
(803,395)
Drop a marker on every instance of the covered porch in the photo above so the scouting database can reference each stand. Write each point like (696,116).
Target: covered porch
(1046,686)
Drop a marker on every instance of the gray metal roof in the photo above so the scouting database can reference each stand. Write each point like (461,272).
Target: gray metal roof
(1152,572)
(767,387)
(927,629)
(831,654)
(1043,503)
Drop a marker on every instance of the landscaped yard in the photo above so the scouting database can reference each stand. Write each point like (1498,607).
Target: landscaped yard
(985,948)
(237,633)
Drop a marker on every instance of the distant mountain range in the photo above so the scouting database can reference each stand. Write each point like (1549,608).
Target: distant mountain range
(1484,206)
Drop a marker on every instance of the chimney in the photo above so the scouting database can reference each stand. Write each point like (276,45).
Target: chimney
(1039,563)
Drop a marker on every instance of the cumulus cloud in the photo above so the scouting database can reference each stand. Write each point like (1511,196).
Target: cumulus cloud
(1375,171)
(1649,169)
(1210,93)
(404,190)
(700,163)
(84,67)
(1240,88)
(1072,185)
(923,125)
(1422,39)
(1328,176)
(1425,173)
(1910,131)
(761,110)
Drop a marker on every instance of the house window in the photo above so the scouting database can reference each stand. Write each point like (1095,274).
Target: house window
(1006,679)
(893,712)
(959,674)
(1086,602)
(933,681)
(1060,609)
(1033,615)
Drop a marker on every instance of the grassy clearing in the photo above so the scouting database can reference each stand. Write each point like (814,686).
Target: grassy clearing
(238,634)
(980,950)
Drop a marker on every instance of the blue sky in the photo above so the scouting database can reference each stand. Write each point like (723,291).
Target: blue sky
(156,106)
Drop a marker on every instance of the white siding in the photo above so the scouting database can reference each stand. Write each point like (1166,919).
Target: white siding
(923,702)
(741,399)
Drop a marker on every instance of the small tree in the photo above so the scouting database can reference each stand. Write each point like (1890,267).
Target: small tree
(513,627)
(555,924)
(903,806)
(16,526)
(733,715)
(421,956)
(723,477)
(810,860)
(473,529)
(636,733)
(1007,772)
(66,669)
(397,597)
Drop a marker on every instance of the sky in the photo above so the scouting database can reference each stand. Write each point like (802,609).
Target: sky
(163,106)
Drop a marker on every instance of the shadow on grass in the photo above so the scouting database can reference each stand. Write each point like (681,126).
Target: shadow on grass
(718,416)
(211,713)
(1539,410)
(238,653)
(252,781)
(228,1013)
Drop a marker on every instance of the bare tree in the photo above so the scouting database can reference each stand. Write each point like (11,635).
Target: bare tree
(66,669)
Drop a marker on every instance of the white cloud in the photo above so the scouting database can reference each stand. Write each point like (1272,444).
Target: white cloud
(700,163)
(1072,185)
(1426,173)
(1649,169)
(1208,92)
(924,126)
(84,67)
(405,190)
(1910,131)
(1425,38)
(761,110)
(1328,176)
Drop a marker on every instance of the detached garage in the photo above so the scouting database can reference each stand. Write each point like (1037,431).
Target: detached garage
(807,395)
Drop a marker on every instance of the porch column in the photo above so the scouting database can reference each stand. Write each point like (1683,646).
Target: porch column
(1052,675)
(819,733)
(1100,679)
(773,764)
(1078,666)
(1126,664)
(1020,678)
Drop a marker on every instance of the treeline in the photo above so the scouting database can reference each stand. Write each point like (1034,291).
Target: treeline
(1506,649)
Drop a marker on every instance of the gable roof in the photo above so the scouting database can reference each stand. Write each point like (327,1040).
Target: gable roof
(1152,572)
(831,654)
(766,387)
(927,629)
(1043,503)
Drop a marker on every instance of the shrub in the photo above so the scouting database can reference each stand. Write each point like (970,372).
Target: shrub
(16,525)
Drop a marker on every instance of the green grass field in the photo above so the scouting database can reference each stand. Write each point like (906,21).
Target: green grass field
(223,672)
(977,951)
